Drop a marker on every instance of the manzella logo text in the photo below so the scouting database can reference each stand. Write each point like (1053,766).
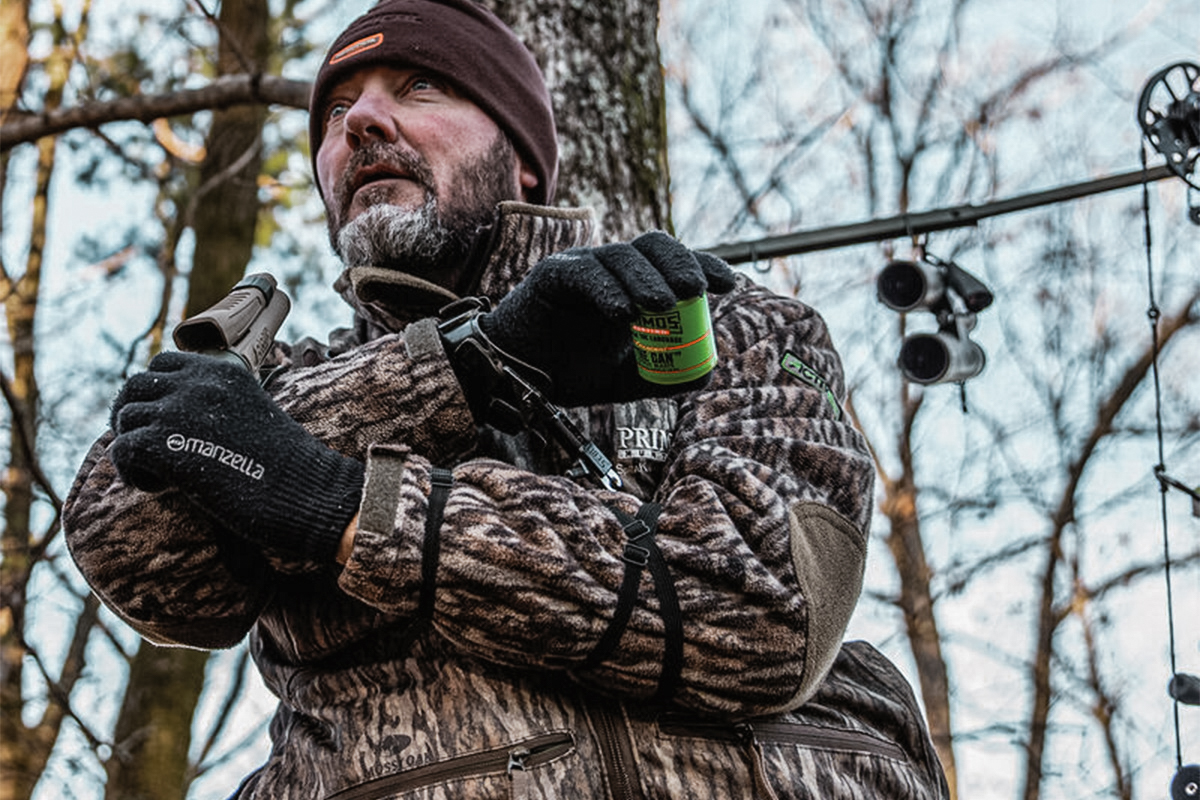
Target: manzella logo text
(178,443)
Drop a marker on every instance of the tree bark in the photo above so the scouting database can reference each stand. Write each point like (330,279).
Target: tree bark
(153,733)
(604,71)
(226,214)
(14,51)
(907,547)
(24,749)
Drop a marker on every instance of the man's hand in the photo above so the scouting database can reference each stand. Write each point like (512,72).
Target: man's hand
(206,426)
(571,314)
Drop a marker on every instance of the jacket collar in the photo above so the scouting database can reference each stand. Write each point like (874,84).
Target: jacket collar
(385,300)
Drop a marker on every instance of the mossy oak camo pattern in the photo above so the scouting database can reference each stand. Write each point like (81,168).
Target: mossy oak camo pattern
(766,500)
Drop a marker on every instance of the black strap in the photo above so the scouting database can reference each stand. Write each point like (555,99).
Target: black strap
(431,546)
(635,556)
(672,617)
(640,551)
(442,480)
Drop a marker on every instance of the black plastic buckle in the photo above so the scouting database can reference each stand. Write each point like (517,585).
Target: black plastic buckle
(635,554)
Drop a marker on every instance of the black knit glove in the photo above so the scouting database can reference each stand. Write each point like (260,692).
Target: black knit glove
(571,314)
(205,426)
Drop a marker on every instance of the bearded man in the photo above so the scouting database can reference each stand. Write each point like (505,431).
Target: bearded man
(484,555)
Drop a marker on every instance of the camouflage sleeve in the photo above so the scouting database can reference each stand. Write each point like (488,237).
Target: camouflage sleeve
(177,577)
(397,389)
(789,481)
(766,499)
(168,572)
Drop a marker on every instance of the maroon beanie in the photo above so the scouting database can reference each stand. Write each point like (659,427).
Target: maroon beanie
(466,43)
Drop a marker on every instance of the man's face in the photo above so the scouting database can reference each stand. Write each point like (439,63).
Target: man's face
(402,149)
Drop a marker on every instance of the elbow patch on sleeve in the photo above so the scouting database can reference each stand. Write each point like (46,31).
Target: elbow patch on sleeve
(829,553)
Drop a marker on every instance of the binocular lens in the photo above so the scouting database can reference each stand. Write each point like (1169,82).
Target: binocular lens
(903,286)
(924,359)
(940,358)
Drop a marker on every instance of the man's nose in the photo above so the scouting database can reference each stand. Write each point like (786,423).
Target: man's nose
(370,118)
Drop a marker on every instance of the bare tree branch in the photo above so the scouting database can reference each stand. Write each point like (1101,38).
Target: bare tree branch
(224,92)
(1105,705)
(23,427)
(232,698)
(1132,573)
(1049,616)
(60,690)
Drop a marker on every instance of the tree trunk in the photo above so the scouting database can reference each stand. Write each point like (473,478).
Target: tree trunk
(602,64)
(24,749)
(916,601)
(153,733)
(226,210)
(14,53)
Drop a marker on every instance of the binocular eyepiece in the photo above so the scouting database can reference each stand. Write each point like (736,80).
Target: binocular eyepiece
(241,327)
(909,285)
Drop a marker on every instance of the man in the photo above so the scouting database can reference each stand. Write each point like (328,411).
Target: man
(444,602)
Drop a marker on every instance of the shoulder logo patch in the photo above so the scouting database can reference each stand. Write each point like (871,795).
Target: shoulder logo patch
(792,365)
(354,48)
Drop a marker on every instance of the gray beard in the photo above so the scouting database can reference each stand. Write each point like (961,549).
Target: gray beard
(413,241)
(428,242)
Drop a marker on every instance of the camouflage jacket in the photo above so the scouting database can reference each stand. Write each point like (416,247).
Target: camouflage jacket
(765,489)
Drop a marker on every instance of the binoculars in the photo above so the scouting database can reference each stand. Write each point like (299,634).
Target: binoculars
(952,294)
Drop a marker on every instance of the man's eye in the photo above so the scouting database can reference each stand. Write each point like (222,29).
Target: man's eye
(335,111)
(424,83)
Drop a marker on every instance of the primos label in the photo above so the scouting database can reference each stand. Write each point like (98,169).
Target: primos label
(675,346)
(642,434)
(792,364)
(644,429)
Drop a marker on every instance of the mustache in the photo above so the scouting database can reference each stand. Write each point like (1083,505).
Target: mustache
(380,155)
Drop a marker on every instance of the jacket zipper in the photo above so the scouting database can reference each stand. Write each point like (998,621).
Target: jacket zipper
(612,754)
(797,733)
(510,760)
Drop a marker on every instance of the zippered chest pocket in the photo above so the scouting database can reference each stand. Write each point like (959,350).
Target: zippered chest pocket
(507,768)
(771,732)
(800,761)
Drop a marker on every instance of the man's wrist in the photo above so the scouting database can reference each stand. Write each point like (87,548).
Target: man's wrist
(346,545)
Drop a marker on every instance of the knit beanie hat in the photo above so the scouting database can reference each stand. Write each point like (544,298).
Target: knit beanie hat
(465,43)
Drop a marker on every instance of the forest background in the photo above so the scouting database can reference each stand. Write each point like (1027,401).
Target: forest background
(1017,564)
